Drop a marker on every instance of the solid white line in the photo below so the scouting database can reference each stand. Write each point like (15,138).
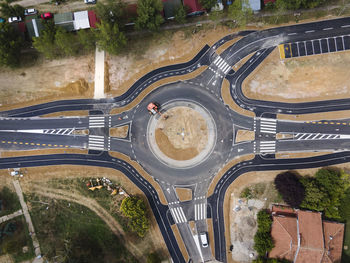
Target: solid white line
(195,212)
(96,140)
(205,211)
(174,216)
(267,142)
(344,136)
(267,131)
(345,26)
(95,148)
(96,136)
(96,121)
(309,31)
(96,117)
(268,125)
(96,126)
(268,120)
(291,34)
(268,151)
(328,28)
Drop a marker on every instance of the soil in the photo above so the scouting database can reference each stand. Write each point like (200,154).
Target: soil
(184,194)
(180,242)
(182,133)
(304,79)
(47,81)
(119,132)
(244,135)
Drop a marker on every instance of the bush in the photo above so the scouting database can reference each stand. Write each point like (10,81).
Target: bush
(246,193)
(262,240)
(290,188)
(264,221)
(153,258)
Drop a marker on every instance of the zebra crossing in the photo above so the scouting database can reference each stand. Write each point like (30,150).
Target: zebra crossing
(267,146)
(268,125)
(96,142)
(316,136)
(96,121)
(178,215)
(200,211)
(59,131)
(222,64)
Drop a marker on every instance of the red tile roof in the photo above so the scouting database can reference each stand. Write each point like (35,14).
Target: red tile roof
(269,1)
(93,20)
(193,5)
(318,241)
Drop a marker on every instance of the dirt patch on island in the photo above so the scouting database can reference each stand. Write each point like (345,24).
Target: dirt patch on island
(184,194)
(182,133)
(119,132)
(304,79)
(244,135)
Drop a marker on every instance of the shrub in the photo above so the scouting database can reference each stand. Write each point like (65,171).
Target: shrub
(290,188)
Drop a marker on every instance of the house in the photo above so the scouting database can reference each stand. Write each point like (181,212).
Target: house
(64,20)
(302,236)
(194,8)
(81,20)
(269,1)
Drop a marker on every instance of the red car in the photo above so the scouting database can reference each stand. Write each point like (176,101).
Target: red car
(47,15)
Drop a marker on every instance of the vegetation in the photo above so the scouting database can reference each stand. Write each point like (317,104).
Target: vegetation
(14,236)
(63,41)
(9,201)
(208,4)
(149,14)
(11,44)
(344,211)
(153,258)
(109,37)
(246,193)
(270,260)
(87,39)
(135,209)
(111,12)
(241,12)
(290,188)
(45,44)
(180,14)
(8,10)
(69,232)
(263,242)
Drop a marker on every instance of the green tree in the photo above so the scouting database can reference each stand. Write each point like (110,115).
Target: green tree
(241,12)
(63,40)
(246,193)
(281,8)
(313,195)
(135,209)
(208,4)
(149,16)
(264,221)
(109,38)
(153,258)
(11,44)
(46,42)
(112,12)
(263,242)
(180,14)
(87,39)
(8,10)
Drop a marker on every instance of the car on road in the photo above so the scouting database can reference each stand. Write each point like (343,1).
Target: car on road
(15,19)
(90,2)
(204,239)
(47,15)
(30,11)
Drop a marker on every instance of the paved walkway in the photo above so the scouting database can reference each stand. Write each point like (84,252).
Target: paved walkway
(10,216)
(99,91)
(29,221)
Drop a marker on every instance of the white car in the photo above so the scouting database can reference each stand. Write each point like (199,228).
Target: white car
(15,19)
(90,1)
(204,239)
(30,11)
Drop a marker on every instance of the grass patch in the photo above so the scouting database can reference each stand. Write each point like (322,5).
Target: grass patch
(9,202)
(263,191)
(14,235)
(70,232)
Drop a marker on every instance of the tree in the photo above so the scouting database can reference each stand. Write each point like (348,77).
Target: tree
(153,258)
(264,221)
(148,12)
(180,14)
(87,39)
(290,188)
(208,4)
(63,40)
(8,10)
(11,44)
(46,42)
(112,12)
(109,38)
(241,12)
(135,209)
(263,243)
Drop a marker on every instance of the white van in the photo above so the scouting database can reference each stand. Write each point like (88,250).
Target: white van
(204,239)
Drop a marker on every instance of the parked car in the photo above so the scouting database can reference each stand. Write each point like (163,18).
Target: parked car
(15,19)
(204,239)
(2,20)
(30,11)
(90,1)
(47,15)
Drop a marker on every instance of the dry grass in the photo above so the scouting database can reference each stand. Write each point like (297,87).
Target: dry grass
(119,132)
(184,194)
(244,135)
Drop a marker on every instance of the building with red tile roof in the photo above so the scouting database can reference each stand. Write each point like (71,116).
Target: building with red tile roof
(302,237)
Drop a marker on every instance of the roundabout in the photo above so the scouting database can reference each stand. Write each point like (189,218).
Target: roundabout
(183,135)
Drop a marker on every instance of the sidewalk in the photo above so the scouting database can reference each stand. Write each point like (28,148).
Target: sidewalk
(29,222)
(10,216)
(99,91)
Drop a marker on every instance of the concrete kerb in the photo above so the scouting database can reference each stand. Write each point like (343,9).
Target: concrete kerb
(203,155)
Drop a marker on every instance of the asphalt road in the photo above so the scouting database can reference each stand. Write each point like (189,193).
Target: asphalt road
(22,129)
